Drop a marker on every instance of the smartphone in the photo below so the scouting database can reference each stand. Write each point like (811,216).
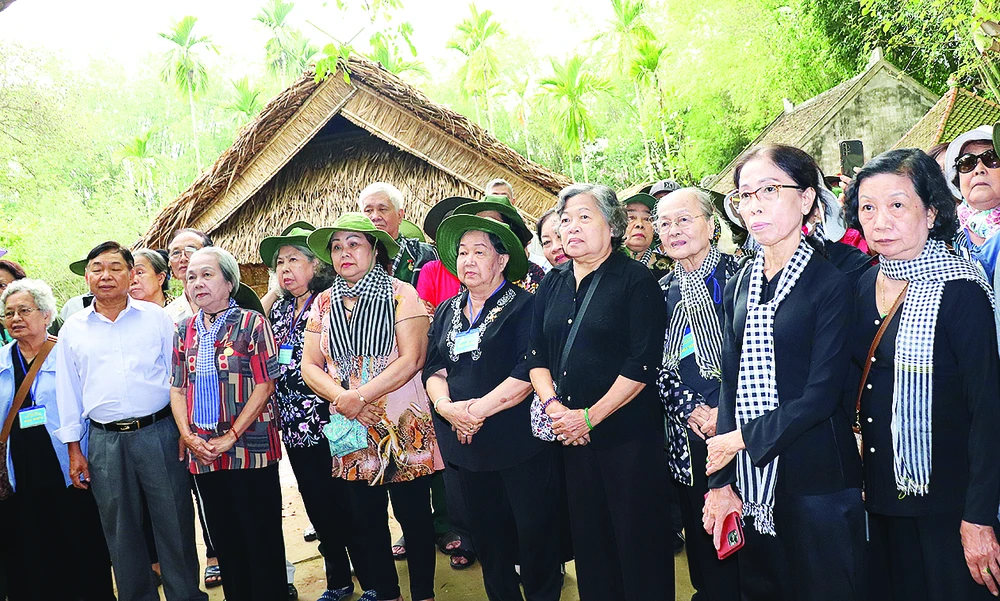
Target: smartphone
(852,154)
(732,536)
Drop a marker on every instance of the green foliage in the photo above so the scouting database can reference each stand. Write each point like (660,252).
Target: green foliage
(386,54)
(182,66)
(245,103)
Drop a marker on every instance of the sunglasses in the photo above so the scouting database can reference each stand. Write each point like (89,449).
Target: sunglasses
(967,162)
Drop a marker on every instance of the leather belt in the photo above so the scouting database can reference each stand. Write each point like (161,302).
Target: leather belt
(134,423)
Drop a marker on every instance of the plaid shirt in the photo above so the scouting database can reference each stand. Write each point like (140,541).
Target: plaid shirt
(246,357)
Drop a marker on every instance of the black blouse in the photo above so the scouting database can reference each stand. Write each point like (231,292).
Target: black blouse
(811,428)
(965,475)
(35,463)
(848,259)
(621,334)
(505,439)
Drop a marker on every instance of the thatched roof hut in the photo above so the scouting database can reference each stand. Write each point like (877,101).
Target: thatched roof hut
(316,145)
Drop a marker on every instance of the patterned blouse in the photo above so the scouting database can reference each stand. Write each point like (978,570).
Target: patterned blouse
(532,279)
(401,447)
(303,414)
(246,357)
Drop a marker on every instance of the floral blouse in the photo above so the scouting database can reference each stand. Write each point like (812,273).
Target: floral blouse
(402,446)
(303,414)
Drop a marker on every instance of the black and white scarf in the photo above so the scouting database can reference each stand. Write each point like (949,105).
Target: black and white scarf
(697,311)
(757,388)
(913,380)
(371,332)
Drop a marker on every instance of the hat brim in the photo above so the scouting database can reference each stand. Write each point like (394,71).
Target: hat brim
(439,211)
(319,241)
(516,224)
(79,267)
(246,298)
(270,246)
(453,228)
(983,133)
(408,229)
(644,199)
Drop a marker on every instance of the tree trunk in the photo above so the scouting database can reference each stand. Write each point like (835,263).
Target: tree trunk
(642,132)
(194,128)
(583,156)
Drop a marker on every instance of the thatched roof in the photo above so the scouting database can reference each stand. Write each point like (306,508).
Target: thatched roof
(385,107)
(957,112)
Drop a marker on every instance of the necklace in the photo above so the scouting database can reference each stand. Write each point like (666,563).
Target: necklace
(213,316)
(882,296)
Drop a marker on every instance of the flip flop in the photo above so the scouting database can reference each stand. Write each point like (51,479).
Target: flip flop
(401,546)
(468,556)
(213,576)
(443,540)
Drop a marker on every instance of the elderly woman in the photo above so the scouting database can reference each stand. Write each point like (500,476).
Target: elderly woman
(225,363)
(640,236)
(594,365)
(783,436)
(301,277)
(150,277)
(924,345)
(477,375)
(548,237)
(44,520)
(691,373)
(365,344)
(972,168)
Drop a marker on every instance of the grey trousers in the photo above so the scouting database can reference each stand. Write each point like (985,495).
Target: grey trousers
(122,464)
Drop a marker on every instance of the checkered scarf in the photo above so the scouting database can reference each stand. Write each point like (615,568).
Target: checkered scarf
(207,396)
(757,389)
(697,311)
(913,379)
(372,329)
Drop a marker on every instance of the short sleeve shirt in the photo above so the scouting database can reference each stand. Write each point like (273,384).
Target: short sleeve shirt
(303,414)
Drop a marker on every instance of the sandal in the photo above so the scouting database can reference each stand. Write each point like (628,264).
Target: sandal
(213,576)
(399,549)
(462,554)
(448,538)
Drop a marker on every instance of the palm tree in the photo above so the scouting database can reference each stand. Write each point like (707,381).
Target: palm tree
(643,71)
(278,47)
(571,86)
(139,162)
(519,87)
(479,72)
(245,102)
(383,54)
(625,31)
(301,53)
(183,67)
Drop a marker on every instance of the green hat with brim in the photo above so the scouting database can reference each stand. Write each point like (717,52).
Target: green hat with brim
(297,234)
(450,233)
(408,229)
(502,205)
(641,198)
(442,210)
(246,298)
(79,267)
(319,240)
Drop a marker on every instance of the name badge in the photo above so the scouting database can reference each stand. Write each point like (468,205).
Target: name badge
(31,417)
(285,354)
(687,343)
(466,342)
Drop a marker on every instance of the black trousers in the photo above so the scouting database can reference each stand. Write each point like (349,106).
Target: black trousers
(514,520)
(713,580)
(55,529)
(411,504)
(328,505)
(919,559)
(817,555)
(618,521)
(244,508)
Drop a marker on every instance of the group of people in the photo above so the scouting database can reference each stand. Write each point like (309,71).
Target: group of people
(840,403)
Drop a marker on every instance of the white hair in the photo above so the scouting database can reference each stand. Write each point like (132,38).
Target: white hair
(704,200)
(391,192)
(228,265)
(39,291)
(499,181)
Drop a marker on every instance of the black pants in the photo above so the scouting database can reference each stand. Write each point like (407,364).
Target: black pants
(244,508)
(56,547)
(411,504)
(328,505)
(817,555)
(458,518)
(713,580)
(514,519)
(618,521)
(919,559)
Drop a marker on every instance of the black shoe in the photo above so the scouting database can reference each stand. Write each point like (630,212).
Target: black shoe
(293,593)
(678,542)
(309,534)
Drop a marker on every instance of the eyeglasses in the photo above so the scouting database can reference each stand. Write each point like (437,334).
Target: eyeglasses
(765,194)
(24,312)
(684,222)
(633,218)
(3,285)
(967,162)
(187,251)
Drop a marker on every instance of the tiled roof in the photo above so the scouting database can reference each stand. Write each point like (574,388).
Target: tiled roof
(957,112)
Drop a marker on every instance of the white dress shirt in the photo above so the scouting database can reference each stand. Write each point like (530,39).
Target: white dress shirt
(179,309)
(108,371)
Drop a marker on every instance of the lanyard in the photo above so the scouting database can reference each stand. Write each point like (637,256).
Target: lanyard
(24,370)
(296,318)
(475,317)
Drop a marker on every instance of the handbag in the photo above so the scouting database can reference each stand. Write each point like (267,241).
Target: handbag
(345,435)
(541,423)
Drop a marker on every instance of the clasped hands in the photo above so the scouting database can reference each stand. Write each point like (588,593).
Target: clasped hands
(350,405)
(569,425)
(464,422)
(206,451)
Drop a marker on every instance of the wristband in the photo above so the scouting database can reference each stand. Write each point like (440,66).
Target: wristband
(435,403)
(586,418)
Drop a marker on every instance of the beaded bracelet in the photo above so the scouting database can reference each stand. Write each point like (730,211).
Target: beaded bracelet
(549,400)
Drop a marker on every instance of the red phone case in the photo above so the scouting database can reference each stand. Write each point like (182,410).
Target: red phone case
(732,536)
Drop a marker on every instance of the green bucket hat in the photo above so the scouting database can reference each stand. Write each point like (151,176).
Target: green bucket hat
(79,267)
(450,233)
(297,233)
(408,229)
(641,198)
(444,208)
(502,205)
(319,240)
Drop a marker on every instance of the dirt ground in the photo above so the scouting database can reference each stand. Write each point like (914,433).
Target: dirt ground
(451,585)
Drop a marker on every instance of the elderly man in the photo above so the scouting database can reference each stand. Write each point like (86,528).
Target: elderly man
(501,187)
(113,365)
(383,204)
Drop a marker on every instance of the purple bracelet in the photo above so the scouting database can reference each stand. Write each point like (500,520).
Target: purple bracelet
(548,402)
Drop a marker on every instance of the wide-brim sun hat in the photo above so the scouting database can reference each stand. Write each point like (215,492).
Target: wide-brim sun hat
(502,205)
(452,229)
(79,267)
(440,211)
(319,240)
(408,229)
(296,233)
(983,133)
(641,198)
